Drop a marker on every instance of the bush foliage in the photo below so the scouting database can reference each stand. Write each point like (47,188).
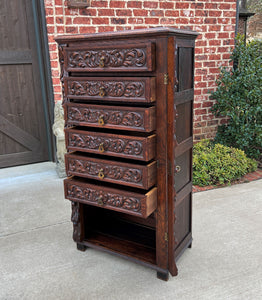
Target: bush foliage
(218,164)
(239,97)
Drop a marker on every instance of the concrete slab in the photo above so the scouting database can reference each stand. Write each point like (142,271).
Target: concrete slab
(39,260)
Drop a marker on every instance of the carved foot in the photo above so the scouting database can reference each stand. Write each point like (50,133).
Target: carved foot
(163,275)
(81,247)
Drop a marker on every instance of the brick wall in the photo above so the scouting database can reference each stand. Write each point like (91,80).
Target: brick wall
(213,19)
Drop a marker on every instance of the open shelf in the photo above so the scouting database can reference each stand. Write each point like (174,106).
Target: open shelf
(113,233)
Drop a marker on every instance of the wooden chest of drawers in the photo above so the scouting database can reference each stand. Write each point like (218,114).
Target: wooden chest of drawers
(128,102)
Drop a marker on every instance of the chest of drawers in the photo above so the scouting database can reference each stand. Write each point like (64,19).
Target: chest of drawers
(128,102)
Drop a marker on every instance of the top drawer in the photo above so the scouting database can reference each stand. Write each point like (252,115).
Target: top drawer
(110,58)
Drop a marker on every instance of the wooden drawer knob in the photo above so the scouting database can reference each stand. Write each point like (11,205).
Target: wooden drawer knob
(102,62)
(101,148)
(101,120)
(178,169)
(100,200)
(101,174)
(102,92)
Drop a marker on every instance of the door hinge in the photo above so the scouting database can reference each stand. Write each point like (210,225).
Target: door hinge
(166,78)
(166,237)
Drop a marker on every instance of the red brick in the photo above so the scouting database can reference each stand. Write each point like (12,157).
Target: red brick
(157,13)
(166,5)
(207,104)
(135,20)
(210,20)
(224,6)
(229,13)
(134,4)
(59,11)
(226,56)
(197,5)
(117,4)
(182,5)
(202,111)
(198,64)
(152,21)
(50,20)
(49,11)
(209,64)
(54,64)
(166,21)
(214,42)
(52,47)
(71,29)
(124,12)
(140,12)
(88,12)
(201,13)
(105,28)
(215,13)
(201,71)
(223,20)
(118,21)
(201,43)
(106,12)
(59,2)
(69,20)
(60,29)
(56,81)
(210,6)
(210,35)
(87,29)
(223,35)
(214,27)
(50,29)
(196,20)
(182,20)
(59,20)
(100,21)
(98,3)
(150,4)
(81,20)
(172,13)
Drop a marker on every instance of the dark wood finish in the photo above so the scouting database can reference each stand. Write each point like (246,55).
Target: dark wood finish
(119,89)
(134,175)
(111,117)
(146,215)
(134,147)
(122,57)
(136,204)
(23,128)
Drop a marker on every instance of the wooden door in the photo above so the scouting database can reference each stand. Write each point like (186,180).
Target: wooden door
(23,118)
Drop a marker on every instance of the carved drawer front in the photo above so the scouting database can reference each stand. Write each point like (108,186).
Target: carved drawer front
(141,148)
(119,57)
(119,89)
(137,204)
(114,117)
(140,176)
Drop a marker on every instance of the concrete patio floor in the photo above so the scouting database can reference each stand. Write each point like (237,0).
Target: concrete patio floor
(39,260)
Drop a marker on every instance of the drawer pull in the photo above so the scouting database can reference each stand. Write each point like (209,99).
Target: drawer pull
(101,120)
(102,92)
(101,148)
(178,169)
(101,174)
(100,200)
(102,62)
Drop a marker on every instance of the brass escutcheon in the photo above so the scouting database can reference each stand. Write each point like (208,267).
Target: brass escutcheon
(101,120)
(101,174)
(100,200)
(102,92)
(101,148)
(102,62)
(178,169)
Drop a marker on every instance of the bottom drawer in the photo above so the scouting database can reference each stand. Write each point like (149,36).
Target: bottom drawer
(137,204)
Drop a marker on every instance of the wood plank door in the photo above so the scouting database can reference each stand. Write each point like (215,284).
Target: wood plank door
(23,120)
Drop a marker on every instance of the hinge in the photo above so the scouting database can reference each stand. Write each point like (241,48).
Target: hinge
(166,78)
(166,237)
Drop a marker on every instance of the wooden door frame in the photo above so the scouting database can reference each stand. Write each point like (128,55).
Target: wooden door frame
(44,72)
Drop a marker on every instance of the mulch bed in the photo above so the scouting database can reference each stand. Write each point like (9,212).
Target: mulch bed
(246,178)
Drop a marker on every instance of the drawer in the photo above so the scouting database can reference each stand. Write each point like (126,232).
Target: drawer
(134,175)
(134,147)
(128,57)
(137,204)
(113,117)
(119,89)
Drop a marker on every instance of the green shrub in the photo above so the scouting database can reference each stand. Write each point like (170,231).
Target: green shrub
(218,164)
(239,97)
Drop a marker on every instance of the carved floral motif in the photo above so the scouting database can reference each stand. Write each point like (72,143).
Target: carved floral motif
(116,58)
(93,88)
(109,144)
(107,198)
(90,115)
(75,218)
(112,172)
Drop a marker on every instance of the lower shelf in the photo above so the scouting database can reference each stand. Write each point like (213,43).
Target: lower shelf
(121,247)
